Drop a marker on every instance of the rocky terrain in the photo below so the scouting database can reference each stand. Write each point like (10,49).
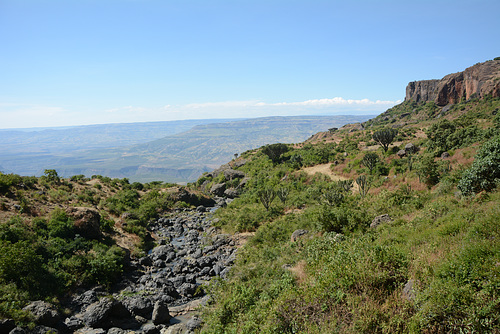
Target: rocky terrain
(159,291)
(479,80)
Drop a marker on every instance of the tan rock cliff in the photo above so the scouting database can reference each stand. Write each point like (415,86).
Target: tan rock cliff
(481,79)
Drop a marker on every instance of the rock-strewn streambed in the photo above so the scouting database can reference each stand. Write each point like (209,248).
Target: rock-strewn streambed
(159,292)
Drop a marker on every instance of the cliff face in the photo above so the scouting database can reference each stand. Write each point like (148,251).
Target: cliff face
(481,79)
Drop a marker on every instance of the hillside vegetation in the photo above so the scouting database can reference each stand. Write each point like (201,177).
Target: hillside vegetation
(385,226)
(61,235)
(319,261)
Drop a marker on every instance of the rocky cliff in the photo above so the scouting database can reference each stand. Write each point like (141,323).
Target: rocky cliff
(479,80)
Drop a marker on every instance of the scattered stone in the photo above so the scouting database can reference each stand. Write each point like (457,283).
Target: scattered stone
(401,153)
(139,305)
(297,234)
(445,155)
(409,290)
(410,148)
(380,220)
(44,313)
(87,330)
(193,323)
(230,174)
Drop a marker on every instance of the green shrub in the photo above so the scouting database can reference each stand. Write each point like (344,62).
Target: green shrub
(485,170)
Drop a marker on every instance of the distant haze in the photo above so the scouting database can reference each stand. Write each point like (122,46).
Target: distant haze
(177,151)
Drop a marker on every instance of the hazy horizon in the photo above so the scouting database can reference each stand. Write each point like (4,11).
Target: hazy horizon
(69,63)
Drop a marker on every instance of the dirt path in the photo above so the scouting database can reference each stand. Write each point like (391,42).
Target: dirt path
(324,169)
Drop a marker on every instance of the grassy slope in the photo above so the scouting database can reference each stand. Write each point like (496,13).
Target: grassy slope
(446,245)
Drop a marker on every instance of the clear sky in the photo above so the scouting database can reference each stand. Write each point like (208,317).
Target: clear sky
(73,62)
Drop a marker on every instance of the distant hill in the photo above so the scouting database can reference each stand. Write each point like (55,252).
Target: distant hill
(67,139)
(178,157)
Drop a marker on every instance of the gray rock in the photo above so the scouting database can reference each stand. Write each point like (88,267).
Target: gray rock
(193,323)
(409,290)
(102,313)
(116,330)
(187,289)
(43,330)
(240,163)
(445,155)
(44,313)
(87,221)
(176,329)
(401,153)
(150,329)
(6,325)
(161,252)
(230,174)
(410,148)
(87,330)
(161,313)
(380,220)
(73,323)
(218,189)
(139,305)
(297,234)
(231,193)
(145,261)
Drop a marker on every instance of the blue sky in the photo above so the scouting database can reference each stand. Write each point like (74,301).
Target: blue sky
(111,61)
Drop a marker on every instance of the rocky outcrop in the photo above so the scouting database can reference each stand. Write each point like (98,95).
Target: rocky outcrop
(380,220)
(479,80)
(87,221)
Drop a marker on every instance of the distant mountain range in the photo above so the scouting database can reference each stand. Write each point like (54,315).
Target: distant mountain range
(177,151)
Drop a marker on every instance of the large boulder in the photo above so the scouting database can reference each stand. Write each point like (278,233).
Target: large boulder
(161,314)
(43,313)
(218,189)
(105,313)
(410,148)
(230,174)
(139,305)
(87,221)
(380,220)
(231,193)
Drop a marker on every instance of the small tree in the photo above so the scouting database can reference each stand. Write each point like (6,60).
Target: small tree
(428,171)
(385,137)
(274,151)
(51,176)
(370,160)
(283,194)
(333,195)
(364,184)
(266,197)
(346,185)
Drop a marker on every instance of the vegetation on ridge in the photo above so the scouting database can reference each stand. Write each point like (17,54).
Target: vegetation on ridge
(429,264)
(434,267)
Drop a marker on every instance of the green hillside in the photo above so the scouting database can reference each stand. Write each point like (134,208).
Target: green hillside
(432,265)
